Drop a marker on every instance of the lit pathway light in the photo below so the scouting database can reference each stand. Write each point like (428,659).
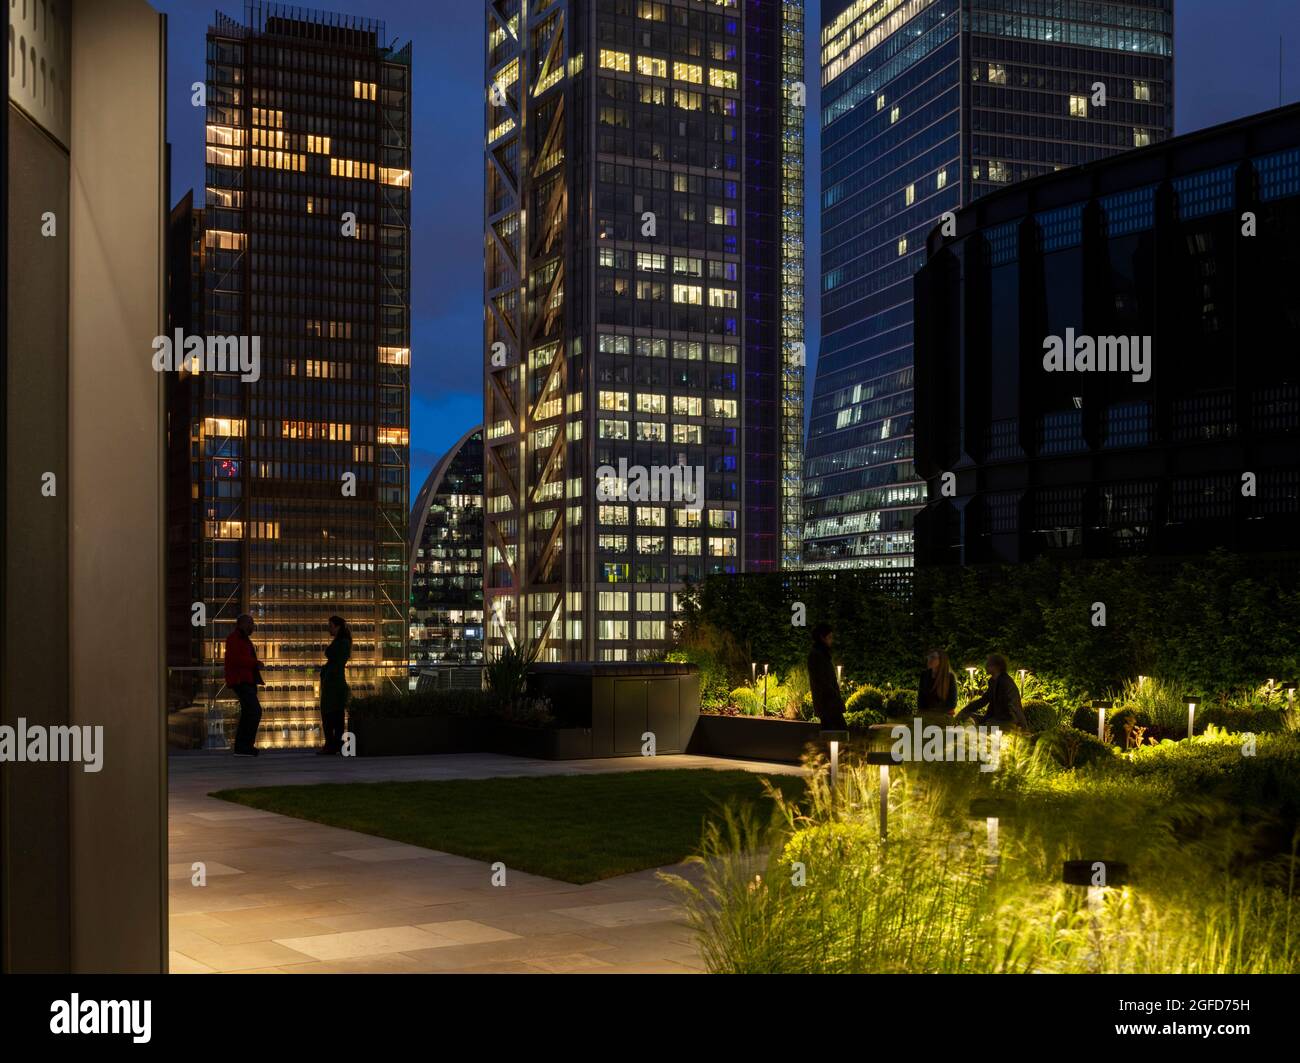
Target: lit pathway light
(1097,876)
(884,758)
(1191,700)
(1102,707)
(992,810)
(834,738)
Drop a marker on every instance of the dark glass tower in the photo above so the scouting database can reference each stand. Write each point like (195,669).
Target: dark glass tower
(644,295)
(447,560)
(299,477)
(927,105)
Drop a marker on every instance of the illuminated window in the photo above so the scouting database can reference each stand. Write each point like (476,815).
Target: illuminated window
(688,434)
(687,545)
(611,60)
(688,100)
(318,145)
(650,630)
(651,516)
(651,404)
(688,267)
(615,515)
(225,241)
(651,432)
(1141,138)
(361,171)
(909,195)
(722,407)
(688,293)
(722,547)
(395,355)
(651,262)
(1000,172)
(1142,91)
(400,178)
(941,179)
(894,115)
(394,437)
(722,518)
(617,401)
(880,102)
(612,430)
(1078,106)
(688,406)
(723,79)
(997,74)
(612,601)
(688,518)
(902,245)
(222,426)
(651,67)
(650,601)
(722,297)
(691,72)
(364,90)
(722,215)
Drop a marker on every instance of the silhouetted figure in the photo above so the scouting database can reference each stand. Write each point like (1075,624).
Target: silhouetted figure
(828,704)
(244,676)
(334,688)
(937,689)
(1002,698)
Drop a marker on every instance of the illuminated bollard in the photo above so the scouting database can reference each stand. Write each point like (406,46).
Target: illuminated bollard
(884,759)
(1102,707)
(1190,700)
(1289,687)
(992,810)
(1096,876)
(834,738)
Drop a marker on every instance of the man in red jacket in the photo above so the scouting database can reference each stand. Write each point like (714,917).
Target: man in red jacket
(243,674)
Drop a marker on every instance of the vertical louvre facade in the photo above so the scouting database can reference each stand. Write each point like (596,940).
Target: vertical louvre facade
(299,479)
(643,308)
(926,106)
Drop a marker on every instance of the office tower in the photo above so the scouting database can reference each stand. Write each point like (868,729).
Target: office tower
(446,560)
(926,106)
(83,878)
(300,467)
(1181,437)
(644,312)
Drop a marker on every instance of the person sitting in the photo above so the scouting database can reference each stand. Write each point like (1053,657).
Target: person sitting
(1001,700)
(937,689)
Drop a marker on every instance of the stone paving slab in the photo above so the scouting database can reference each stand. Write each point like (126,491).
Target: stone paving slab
(288,896)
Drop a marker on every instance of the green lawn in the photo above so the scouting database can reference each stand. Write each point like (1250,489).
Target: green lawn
(575,828)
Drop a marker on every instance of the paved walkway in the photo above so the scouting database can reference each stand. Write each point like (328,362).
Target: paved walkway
(284,895)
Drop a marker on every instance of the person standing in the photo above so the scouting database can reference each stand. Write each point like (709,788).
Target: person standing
(244,676)
(828,703)
(1002,698)
(334,689)
(937,689)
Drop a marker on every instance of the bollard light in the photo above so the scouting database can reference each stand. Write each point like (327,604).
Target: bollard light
(753,673)
(884,759)
(1141,681)
(1191,700)
(764,690)
(835,761)
(1101,707)
(1021,673)
(1289,687)
(839,675)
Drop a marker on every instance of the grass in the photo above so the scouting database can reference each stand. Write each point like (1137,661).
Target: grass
(575,828)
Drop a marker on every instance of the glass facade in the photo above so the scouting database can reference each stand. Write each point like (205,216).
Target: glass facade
(1193,450)
(299,478)
(446,615)
(926,106)
(644,312)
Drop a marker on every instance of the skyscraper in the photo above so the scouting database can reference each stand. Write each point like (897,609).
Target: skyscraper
(447,559)
(299,468)
(927,105)
(644,311)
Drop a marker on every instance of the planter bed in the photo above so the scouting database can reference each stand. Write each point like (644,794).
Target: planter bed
(754,738)
(397,736)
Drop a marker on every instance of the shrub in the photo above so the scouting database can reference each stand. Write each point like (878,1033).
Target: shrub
(1257,719)
(1073,748)
(863,718)
(866,698)
(1128,727)
(507,676)
(900,702)
(428,703)
(1041,716)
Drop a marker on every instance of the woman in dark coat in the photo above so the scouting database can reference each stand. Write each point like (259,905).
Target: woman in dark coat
(828,703)
(334,688)
(937,689)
